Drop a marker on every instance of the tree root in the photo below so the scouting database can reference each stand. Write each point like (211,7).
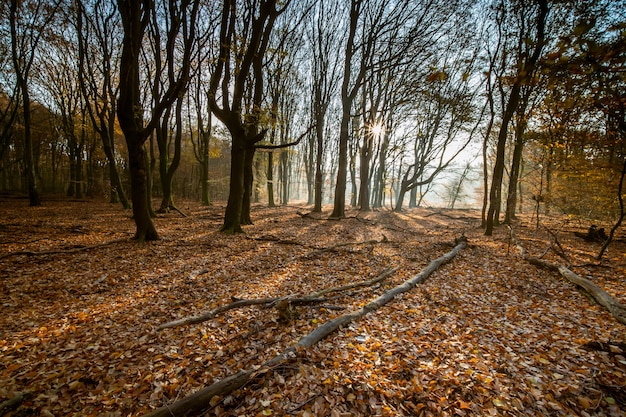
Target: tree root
(200,400)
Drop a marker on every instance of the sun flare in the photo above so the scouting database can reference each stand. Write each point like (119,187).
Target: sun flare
(377,129)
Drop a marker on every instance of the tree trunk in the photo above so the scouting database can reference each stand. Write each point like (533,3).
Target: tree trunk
(117,188)
(364,172)
(168,171)
(248,182)
(520,128)
(511,200)
(21,75)
(205,198)
(270,180)
(319,177)
(139,190)
(232,216)
(401,193)
(285,162)
(339,208)
(622,211)
(72,185)
(78,173)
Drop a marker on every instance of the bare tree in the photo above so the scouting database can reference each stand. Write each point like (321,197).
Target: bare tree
(238,75)
(530,43)
(325,37)
(99,46)
(28,20)
(136,16)
(445,117)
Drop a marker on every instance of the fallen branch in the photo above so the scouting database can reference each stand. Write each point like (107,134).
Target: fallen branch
(599,295)
(368,283)
(313,298)
(559,249)
(200,400)
(14,402)
(270,238)
(602,297)
(211,314)
(57,251)
(341,245)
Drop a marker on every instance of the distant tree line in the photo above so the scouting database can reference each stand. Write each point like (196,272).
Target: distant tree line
(367,103)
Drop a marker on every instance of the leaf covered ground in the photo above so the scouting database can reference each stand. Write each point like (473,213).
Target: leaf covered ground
(487,334)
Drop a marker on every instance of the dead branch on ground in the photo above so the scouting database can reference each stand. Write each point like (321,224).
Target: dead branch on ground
(270,238)
(603,298)
(58,251)
(14,402)
(341,245)
(282,304)
(200,400)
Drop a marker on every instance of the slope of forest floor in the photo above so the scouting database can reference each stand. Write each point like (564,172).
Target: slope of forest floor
(487,334)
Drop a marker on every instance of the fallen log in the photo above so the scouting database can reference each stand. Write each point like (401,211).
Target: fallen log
(603,298)
(200,400)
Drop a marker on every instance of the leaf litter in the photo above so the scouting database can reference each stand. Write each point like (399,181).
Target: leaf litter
(487,334)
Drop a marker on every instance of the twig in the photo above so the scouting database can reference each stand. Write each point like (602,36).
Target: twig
(341,245)
(313,298)
(57,251)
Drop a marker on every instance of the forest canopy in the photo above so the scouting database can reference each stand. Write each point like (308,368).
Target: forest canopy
(515,105)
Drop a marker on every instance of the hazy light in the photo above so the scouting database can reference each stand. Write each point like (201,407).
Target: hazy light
(377,129)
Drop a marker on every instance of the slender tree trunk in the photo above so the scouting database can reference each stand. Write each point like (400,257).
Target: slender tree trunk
(168,172)
(413,198)
(21,75)
(205,152)
(270,180)
(339,207)
(547,197)
(511,200)
(72,184)
(79,174)
(319,176)
(520,194)
(622,212)
(347,98)
(364,172)
(150,162)
(248,183)
(511,107)
(400,197)
(285,161)
(117,188)
(205,198)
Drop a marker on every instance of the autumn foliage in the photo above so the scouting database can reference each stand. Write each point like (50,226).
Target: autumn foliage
(487,334)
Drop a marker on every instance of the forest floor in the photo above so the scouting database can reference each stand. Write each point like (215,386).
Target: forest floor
(486,334)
